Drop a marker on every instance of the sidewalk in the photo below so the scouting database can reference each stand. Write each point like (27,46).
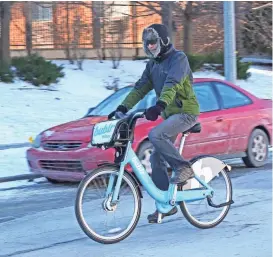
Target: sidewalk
(15,145)
(24,176)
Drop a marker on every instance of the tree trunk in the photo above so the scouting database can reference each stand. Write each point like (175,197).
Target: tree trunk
(28,17)
(96,24)
(167,16)
(5,21)
(67,47)
(103,51)
(188,26)
(134,27)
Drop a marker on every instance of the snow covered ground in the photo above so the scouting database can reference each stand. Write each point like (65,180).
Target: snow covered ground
(26,110)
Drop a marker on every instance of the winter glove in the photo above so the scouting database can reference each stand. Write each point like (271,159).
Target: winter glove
(153,112)
(120,108)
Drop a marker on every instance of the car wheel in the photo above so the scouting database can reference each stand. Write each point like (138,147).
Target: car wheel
(257,150)
(144,154)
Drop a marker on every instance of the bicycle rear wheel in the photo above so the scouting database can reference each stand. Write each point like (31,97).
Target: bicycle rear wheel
(199,213)
(101,221)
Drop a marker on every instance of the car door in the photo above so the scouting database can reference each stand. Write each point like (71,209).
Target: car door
(213,138)
(238,113)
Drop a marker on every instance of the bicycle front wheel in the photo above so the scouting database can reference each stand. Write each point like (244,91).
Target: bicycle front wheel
(200,214)
(99,218)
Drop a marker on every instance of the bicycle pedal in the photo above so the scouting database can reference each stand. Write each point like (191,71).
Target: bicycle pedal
(182,184)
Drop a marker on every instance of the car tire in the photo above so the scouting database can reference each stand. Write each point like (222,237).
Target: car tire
(257,149)
(144,153)
(53,181)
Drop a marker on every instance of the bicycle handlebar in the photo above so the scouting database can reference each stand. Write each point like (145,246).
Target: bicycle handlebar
(134,115)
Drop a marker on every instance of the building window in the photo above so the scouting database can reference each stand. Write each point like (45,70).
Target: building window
(41,11)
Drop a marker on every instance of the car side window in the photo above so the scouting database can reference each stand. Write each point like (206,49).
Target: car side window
(231,97)
(206,97)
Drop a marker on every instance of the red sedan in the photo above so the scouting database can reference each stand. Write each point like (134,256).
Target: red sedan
(234,124)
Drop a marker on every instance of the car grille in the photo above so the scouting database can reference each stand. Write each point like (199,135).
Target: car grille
(61,165)
(61,145)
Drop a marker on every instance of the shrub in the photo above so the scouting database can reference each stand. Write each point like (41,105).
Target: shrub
(196,61)
(37,70)
(242,68)
(6,74)
(216,58)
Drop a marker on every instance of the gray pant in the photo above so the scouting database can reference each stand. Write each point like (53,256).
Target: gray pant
(163,137)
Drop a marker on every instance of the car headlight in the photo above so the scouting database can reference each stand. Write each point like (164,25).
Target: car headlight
(37,141)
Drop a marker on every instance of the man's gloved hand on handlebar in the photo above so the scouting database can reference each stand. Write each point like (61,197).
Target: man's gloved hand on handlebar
(120,108)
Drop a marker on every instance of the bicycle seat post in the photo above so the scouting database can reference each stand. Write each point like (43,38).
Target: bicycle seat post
(182,142)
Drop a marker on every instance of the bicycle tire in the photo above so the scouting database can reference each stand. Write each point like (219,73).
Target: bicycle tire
(78,205)
(202,225)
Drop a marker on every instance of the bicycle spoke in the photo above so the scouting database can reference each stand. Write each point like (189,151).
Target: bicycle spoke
(200,212)
(101,216)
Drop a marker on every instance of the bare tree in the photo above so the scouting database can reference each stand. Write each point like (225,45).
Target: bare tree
(98,10)
(117,32)
(5,35)
(67,43)
(185,11)
(188,11)
(97,7)
(256,29)
(164,9)
(28,27)
(78,28)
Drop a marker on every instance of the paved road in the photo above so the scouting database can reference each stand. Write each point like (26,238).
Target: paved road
(39,220)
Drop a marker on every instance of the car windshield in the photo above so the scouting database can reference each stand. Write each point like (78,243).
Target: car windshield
(113,101)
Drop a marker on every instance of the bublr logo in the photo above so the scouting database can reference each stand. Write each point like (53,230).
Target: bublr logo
(103,130)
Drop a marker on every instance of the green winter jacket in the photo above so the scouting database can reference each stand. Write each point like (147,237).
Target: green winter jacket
(171,78)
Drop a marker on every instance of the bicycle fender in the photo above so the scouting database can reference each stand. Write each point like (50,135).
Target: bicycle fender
(205,167)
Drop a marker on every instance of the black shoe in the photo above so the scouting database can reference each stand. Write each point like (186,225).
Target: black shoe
(182,175)
(152,218)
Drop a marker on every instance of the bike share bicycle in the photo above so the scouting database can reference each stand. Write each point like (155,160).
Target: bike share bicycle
(111,192)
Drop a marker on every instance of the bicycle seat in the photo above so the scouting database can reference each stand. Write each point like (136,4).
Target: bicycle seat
(194,129)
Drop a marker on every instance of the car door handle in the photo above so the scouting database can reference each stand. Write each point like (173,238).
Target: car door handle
(219,119)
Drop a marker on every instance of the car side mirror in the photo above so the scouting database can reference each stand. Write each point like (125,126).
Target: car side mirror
(89,110)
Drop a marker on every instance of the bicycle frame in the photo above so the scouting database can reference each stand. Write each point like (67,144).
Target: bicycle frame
(165,200)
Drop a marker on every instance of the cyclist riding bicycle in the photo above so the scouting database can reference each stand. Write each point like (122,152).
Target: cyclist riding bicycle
(169,74)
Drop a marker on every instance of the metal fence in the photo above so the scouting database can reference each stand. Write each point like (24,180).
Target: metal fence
(82,24)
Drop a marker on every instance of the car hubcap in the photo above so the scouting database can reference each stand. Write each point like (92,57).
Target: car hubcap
(146,160)
(259,148)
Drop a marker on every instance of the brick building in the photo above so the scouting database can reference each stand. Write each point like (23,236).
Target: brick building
(90,25)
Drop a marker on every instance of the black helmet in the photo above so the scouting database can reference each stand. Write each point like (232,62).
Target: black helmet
(155,34)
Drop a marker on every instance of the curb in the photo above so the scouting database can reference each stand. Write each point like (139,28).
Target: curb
(20,177)
(15,145)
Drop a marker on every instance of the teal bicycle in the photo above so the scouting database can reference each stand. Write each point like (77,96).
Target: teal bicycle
(108,201)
